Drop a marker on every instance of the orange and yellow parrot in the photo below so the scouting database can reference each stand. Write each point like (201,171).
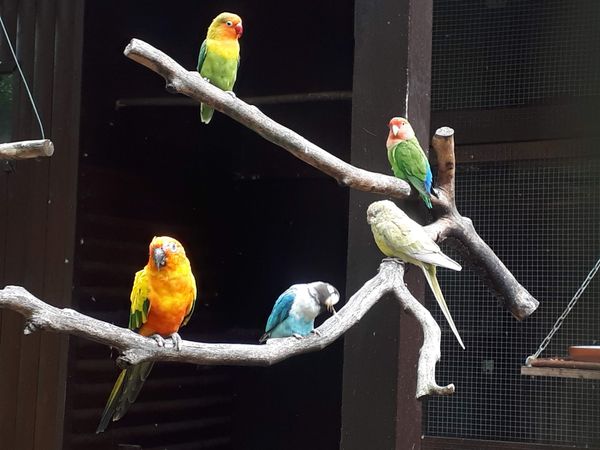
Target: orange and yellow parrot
(162,300)
(219,56)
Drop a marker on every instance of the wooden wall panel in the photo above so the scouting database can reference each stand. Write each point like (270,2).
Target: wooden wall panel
(38,203)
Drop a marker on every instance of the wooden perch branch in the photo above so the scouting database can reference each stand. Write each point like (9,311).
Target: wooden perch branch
(26,149)
(462,234)
(182,81)
(449,223)
(135,348)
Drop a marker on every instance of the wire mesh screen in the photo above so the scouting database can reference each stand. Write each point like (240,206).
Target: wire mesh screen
(543,220)
(494,53)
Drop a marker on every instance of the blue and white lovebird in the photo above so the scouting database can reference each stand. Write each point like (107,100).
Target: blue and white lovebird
(295,310)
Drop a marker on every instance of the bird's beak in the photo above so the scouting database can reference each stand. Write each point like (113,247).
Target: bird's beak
(329,304)
(160,257)
(239,29)
(395,130)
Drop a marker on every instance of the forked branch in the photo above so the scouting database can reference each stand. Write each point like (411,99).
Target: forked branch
(448,223)
(135,348)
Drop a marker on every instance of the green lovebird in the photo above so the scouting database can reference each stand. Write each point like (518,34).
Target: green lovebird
(219,56)
(398,236)
(408,159)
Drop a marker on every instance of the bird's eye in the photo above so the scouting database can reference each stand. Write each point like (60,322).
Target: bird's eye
(171,246)
(229,23)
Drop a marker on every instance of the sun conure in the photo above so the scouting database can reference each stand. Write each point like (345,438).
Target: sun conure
(219,56)
(408,159)
(162,300)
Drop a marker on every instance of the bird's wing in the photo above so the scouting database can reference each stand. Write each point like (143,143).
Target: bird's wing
(190,310)
(201,55)
(281,309)
(411,240)
(140,303)
(415,159)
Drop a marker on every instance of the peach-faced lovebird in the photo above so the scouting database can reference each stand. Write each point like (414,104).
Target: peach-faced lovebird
(219,56)
(398,236)
(408,159)
(295,310)
(162,300)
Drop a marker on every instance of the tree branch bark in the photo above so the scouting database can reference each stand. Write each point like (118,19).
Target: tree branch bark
(190,83)
(135,349)
(450,224)
(26,149)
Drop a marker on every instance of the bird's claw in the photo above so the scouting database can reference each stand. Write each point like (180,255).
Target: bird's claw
(231,93)
(176,339)
(297,336)
(317,332)
(160,341)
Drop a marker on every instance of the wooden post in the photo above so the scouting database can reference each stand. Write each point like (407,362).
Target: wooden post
(392,71)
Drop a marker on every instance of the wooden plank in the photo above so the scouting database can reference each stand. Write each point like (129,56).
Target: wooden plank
(531,150)
(21,223)
(447,443)
(8,10)
(60,225)
(40,82)
(561,372)
(523,123)
(380,353)
(564,363)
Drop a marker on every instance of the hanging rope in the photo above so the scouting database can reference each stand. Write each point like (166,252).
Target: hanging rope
(23,78)
(565,313)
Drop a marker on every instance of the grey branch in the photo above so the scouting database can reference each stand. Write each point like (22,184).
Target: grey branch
(190,83)
(448,223)
(26,149)
(135,348)
(462,235)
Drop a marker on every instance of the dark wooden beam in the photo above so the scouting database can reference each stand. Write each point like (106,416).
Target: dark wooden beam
(392,57)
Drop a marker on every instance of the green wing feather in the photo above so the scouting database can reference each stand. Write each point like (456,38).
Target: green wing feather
(409,163)
(202,55)
(140,303)
(130,381)
(190,311)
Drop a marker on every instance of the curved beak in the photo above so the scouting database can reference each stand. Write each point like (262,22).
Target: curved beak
(159,257)
(239,29)
(332,300)
(395,130)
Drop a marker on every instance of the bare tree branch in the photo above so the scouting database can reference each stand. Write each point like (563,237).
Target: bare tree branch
(136,349)
(191,84)
(448,223)
(462,234)
(26,149)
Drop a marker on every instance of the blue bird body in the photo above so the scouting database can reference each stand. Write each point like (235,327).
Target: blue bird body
(295,310)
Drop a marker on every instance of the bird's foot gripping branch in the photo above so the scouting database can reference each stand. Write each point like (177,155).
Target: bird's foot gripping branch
(389,282)
(136,349)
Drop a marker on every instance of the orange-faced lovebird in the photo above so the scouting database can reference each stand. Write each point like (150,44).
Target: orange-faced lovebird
(407,158)
(219,56)
(162,300)
(398,236)
(295,310)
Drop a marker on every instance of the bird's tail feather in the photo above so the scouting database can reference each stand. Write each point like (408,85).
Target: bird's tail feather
(426,199)
(429,272)
(125,391)
(206,113)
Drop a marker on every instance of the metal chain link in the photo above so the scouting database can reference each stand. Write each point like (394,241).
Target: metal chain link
(565,313)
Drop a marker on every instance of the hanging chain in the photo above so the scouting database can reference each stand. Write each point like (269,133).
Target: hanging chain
(12,50)
(565,313)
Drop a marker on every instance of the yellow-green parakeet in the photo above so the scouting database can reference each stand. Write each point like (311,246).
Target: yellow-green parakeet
(398,236)
(219,56)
